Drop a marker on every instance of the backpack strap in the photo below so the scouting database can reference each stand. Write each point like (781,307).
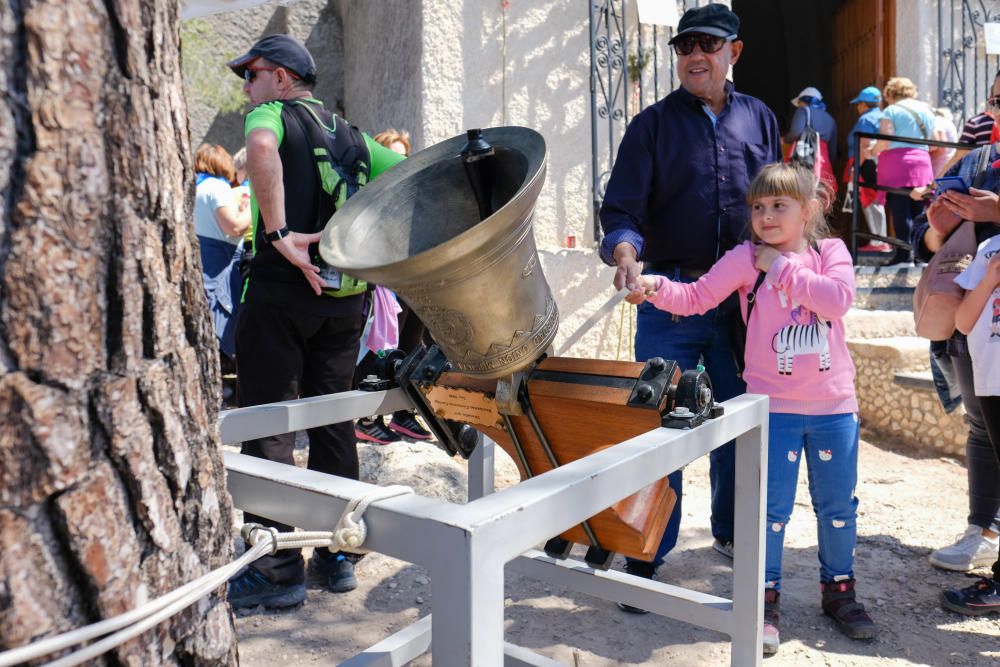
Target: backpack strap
(982,166)
(752,296)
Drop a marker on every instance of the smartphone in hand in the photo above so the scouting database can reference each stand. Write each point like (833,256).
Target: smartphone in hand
(956,183)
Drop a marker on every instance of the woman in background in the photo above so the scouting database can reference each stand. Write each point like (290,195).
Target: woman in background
(220,220)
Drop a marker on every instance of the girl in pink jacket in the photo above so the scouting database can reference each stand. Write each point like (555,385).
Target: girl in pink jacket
(795,287)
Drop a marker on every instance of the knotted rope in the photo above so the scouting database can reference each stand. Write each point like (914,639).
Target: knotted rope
(349,534)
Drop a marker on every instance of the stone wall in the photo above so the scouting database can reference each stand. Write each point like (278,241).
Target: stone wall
(882,344)
(215,102)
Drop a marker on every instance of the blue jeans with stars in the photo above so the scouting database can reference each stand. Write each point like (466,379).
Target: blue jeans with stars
(830,446)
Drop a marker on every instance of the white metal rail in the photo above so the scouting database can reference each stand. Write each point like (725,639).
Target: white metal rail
(466,547)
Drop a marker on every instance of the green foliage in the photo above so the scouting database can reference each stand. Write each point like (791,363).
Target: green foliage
(637,62)
(206,77)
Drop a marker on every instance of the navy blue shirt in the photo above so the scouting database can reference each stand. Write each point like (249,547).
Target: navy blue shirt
(678,188)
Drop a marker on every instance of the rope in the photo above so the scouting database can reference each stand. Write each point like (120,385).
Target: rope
(349,535)
(351,530)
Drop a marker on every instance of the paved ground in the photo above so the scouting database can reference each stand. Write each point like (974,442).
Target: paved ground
(909,505)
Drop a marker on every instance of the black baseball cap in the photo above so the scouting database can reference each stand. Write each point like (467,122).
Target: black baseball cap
(281,50)
(713,19)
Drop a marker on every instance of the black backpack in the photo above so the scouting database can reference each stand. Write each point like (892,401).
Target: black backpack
(342,168)
(806,150)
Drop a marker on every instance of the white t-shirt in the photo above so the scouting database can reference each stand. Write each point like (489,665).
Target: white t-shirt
(984,339)
(211,194)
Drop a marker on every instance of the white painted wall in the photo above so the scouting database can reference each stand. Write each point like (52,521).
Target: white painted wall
(528,64)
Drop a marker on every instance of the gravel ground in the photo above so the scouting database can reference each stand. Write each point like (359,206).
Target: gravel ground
(909,506)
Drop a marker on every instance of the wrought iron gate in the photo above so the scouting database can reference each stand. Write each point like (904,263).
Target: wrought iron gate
(631,66)
(965,72)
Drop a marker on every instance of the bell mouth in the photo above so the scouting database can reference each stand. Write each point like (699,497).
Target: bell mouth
(426,203)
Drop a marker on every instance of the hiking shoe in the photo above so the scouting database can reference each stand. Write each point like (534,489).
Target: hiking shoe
(405,424)
(724,547)
(337,568)
(971,550)
(840,605)
(771,618)
(979,599)
(374,431)
(251,588)
(637,568)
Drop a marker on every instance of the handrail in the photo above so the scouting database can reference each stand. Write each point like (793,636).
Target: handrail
(856,179)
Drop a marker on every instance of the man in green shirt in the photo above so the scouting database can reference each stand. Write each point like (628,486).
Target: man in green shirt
(300,325)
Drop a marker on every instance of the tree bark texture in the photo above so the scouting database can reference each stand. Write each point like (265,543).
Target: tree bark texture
(112,488)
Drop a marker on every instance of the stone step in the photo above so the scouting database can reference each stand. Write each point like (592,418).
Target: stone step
(864,323)
(885,288)
(892,379)
(917,379)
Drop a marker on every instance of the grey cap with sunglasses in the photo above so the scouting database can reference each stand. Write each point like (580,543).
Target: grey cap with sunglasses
(713,19)
(281,50)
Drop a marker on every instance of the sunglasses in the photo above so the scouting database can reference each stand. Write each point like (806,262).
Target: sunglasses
(684,46)
(993,102)
(250,73)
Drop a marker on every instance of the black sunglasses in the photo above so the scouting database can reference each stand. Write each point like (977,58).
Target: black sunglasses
(684,45)
(250,73)
(994,102)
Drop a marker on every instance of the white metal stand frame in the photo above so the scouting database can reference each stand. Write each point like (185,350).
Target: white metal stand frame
(466,547)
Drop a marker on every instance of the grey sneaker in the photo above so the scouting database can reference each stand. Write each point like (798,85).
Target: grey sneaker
(772,617)
(972,550)
(724,547)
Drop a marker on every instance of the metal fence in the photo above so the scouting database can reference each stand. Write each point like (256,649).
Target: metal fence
(631,66)
(965,71)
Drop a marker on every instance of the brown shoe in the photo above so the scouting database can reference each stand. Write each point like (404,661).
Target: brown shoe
(840,605)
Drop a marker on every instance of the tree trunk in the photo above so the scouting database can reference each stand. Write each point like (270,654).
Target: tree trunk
(112,488)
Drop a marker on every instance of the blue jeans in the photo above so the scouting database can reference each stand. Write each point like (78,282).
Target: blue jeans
(691,340)
(830,445)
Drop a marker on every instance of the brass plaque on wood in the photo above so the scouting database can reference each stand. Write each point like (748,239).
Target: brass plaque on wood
(461,405)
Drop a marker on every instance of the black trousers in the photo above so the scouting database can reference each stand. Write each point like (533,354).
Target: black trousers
(902,210)
(981,463)
(284,355)
(991,416)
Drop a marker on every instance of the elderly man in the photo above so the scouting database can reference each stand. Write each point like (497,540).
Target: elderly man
(300,325)
(676,200)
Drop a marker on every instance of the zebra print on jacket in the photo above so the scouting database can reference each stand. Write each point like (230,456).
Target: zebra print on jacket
(798,339)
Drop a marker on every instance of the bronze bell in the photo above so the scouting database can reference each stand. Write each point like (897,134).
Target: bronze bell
(475,283)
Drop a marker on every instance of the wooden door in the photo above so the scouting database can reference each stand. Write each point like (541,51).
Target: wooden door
(864,48)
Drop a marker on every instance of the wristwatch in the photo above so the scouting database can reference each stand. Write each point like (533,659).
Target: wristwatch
(277,234)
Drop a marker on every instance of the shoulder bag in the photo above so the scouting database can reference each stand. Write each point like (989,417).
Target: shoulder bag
(937,297)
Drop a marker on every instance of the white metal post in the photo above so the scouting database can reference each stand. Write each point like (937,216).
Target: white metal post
(481,469)
(748,543)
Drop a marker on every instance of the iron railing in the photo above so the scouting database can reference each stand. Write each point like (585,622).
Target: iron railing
(965,71)
(631,67)
(857,185)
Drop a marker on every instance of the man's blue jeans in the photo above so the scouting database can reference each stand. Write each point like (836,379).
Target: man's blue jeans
(691,340)
(830,446)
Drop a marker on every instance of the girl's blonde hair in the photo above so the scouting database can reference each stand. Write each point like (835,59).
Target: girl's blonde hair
(786,180)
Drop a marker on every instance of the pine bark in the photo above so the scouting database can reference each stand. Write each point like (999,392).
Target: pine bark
(112,488)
